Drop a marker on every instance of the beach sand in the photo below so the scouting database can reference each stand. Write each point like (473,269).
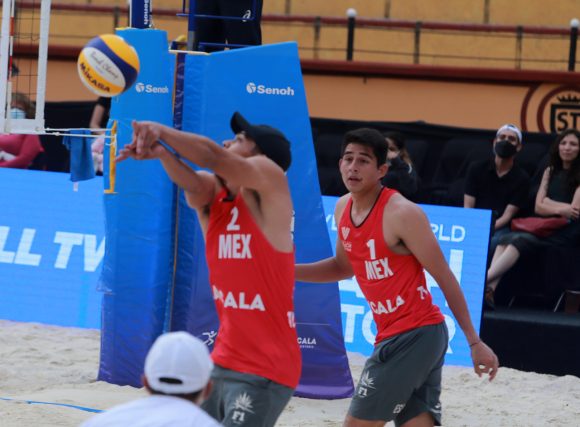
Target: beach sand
(59,365)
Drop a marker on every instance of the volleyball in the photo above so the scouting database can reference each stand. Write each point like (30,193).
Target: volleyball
(108,65)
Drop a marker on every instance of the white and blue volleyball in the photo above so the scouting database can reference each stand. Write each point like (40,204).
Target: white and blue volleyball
(108,65)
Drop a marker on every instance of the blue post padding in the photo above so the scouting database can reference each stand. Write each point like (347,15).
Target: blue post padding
(137,268)
(193,307)
(265,84)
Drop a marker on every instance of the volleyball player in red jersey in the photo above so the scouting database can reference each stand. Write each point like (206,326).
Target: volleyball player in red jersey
(245,212)
(385,241)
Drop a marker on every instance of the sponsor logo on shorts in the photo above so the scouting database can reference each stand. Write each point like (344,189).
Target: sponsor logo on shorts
(242,406)
(398,408)
(366,382)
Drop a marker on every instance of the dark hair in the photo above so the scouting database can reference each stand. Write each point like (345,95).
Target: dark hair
(369,138)
(399,140)
(556,165)
(19,100)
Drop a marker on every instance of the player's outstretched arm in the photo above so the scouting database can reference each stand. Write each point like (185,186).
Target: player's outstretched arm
(258,173)
(327,270)
(199,186)
(331,269)
(414,230)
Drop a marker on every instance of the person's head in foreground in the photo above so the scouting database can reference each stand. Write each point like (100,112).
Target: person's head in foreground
(363,160)
(178,364)
(507,142)
(251,140)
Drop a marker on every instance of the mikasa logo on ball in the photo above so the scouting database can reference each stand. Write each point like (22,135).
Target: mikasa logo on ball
(252,87)
(142,87)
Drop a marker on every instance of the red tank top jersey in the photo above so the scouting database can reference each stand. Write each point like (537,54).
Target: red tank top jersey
(394,285)
(253,289)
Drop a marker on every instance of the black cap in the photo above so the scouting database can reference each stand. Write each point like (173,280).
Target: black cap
(271,142)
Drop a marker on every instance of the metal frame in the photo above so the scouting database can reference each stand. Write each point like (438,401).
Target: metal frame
(33,125)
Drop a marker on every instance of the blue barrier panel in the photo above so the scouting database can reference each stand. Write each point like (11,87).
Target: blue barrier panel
(137,271)
(267,88)
(463,235)
(52,245)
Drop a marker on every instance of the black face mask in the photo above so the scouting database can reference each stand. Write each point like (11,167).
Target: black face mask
(505,149)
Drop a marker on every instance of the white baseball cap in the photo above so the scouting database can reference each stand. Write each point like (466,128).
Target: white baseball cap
(178,363)
(512,128)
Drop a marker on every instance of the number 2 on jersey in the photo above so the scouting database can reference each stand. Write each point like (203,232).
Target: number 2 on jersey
(233,225)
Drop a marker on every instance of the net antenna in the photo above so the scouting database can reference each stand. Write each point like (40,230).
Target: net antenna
(23,28)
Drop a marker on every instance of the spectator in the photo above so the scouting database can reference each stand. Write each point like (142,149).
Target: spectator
(558,195)
(401,175)
(98,123)
(19,150)
(233,32)
(177,371)
(499,184)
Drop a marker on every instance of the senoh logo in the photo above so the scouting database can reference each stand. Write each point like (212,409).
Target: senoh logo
(253,88)
(143,88)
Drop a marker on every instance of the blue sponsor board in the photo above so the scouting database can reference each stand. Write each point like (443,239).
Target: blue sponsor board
(51,248)
(463,235)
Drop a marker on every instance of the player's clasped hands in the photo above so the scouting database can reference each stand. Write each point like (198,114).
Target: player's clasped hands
(145,142)
(484,360)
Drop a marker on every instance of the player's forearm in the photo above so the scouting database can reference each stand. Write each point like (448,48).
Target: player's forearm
(197,149)
(181,174)
(324,271)
(458,305)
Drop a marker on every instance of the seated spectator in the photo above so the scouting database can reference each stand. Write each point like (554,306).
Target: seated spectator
(19,150)
(498,184)
(558,195)
(177,371)
(401,175)
(98,123)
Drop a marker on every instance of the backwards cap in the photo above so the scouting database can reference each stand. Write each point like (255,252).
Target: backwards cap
(512,128)
(271,142)
(178,363)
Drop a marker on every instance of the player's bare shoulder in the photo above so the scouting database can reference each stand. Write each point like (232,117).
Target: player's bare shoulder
(340,206)
(400,213)
(398,206)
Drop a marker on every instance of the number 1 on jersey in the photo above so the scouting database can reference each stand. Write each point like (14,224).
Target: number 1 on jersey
(371,246)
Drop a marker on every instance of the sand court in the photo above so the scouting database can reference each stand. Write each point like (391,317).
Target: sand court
(59,365)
